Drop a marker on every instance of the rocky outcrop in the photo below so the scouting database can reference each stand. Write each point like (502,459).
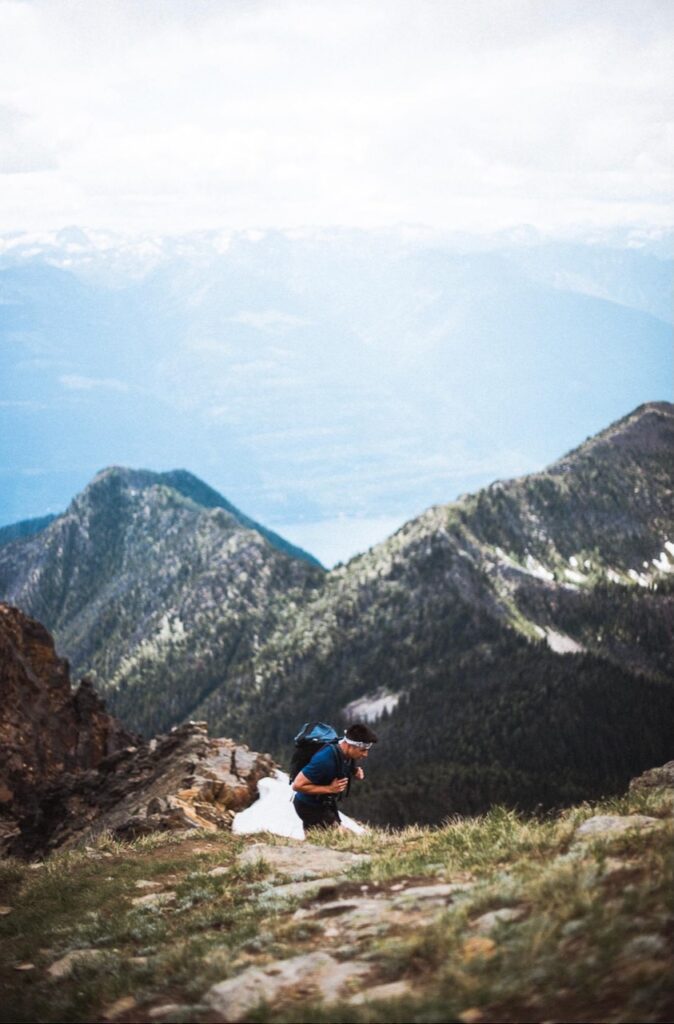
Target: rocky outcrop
(68,770)
(46,729)
(185,780)
(655,778)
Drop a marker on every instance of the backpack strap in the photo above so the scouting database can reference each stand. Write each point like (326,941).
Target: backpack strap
(347,764)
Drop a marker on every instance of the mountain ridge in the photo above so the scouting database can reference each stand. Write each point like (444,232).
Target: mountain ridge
(560,583)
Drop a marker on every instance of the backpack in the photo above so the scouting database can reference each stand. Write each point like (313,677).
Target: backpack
(311,738)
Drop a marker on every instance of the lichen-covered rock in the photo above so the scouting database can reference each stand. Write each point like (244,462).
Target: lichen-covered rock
(305,861)
(613,823)
(655,778)
(317,975)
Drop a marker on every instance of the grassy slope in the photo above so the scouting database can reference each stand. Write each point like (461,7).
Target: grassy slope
(565,960)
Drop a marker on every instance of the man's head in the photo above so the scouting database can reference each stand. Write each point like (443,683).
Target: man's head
(358,739)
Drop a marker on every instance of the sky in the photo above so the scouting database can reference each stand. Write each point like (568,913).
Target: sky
(341,260)
(471,115)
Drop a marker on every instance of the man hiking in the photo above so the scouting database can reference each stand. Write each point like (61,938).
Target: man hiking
(327,776)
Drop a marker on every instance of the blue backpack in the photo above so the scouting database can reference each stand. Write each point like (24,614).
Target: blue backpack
(311,738)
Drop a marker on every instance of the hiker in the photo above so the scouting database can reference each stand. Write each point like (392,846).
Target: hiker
(328,775)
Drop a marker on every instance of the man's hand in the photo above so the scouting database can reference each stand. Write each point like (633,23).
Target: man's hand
(337,786)
(359,774)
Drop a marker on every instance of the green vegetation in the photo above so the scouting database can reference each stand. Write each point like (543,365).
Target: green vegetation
(592,940)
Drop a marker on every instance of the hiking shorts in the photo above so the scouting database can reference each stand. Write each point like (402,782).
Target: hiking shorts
(316,815)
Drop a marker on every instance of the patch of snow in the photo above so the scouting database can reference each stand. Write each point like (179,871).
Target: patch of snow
(669,547)
(587,563)
(369,709)
(560,643)
(573,561)
(614,576)
(663,563)
(506,558)
(537,569)
(577,577)
(638,577)
(274,812)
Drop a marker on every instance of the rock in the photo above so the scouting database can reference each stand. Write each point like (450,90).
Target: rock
(69,771)
(64,967)
(473,1015)
(486,923)
(119,1008)
(605,823)
(154,899)
(441,892)
(217,872)
(47,729)
(302,861)
(166,1010)
(655,778)
(479,947)
(5,910)
(143,883)
(642,946)
(294,890)
(24,967)
(380,993)
(314,975)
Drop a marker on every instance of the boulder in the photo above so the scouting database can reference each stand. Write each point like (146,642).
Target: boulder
(655,778)
(311,976)
(300,862)
(602,824)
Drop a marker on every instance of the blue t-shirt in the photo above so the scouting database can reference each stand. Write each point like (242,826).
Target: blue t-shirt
(328,764)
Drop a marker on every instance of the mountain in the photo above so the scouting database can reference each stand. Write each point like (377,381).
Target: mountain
(501,918)
(156,585)
(26,528)
(516,645)
(279,367)
(520,638)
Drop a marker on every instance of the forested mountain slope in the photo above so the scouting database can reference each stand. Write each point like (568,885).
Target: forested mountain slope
(526,633)
(155,585)
(521,639)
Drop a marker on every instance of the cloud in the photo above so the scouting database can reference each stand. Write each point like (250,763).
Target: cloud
(75,382)
(271,320)
(473,116)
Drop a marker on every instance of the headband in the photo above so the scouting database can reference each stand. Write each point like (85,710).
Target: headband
(357,743)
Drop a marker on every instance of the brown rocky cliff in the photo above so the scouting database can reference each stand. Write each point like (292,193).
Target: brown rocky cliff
(69,770)
(46,728)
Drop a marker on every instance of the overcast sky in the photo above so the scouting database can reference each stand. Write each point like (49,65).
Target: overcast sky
(458,114)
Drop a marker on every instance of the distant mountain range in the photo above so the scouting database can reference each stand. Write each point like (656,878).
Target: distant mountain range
(518,642)
(312,376)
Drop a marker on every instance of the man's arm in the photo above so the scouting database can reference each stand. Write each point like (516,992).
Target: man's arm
(303,785)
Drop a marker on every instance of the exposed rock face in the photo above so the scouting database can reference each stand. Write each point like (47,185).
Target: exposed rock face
(655,778)
(68,770)
(46,728)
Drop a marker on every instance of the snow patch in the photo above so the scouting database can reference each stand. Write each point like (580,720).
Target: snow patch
(535,568)
(369,709)
(639,577)
(560,643)
(576,577)
(669,547)
(274,812)
(614,576)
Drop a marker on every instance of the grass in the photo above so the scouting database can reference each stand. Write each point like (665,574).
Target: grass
(593,941)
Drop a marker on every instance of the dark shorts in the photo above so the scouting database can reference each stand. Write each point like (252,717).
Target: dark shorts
(316,815)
